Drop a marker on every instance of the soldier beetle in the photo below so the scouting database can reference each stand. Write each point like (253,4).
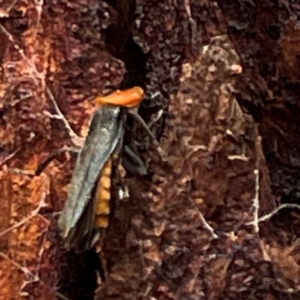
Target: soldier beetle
(88,204)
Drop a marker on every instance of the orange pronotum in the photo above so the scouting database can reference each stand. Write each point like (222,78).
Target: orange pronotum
(129,98)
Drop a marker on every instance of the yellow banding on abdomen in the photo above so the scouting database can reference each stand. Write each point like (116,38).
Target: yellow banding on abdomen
(103,196)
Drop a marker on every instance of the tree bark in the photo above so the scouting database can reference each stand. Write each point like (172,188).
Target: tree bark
(217,219)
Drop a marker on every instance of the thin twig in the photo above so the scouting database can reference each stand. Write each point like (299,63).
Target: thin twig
(203,220)
(256,202)
(156,118)
(238,157)
(25,220)
(39,5)
(274,212)
(77,141)
(10,156)
(27,272)
(11,6)
(207,226)
(151,135)
(42,250)
(34,75)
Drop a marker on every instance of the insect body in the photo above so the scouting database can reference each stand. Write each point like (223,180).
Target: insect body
(87,207)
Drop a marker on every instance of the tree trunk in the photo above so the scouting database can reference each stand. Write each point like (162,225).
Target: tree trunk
(217,215)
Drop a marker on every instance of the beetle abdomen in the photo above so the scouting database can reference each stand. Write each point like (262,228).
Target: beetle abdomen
(103,196)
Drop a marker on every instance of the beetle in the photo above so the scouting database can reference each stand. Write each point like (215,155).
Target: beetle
(88,204)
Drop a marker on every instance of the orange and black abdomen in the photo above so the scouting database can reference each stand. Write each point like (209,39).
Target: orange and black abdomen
(103,196)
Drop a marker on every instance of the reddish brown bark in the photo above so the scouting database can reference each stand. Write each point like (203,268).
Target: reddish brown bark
(222,95)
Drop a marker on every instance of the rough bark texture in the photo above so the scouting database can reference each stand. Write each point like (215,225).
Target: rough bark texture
(222,96)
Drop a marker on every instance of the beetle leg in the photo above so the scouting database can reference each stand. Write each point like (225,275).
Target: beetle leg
(44,164)
(155,142)
(132,162)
